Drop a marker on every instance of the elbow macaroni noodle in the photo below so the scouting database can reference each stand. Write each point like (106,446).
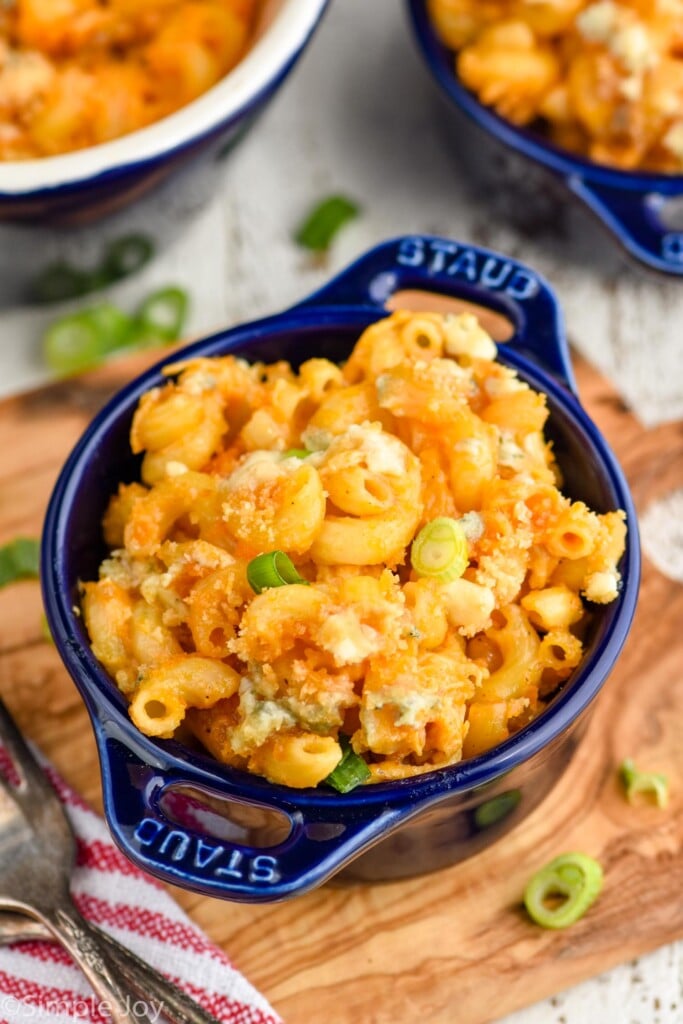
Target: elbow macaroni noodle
(77,73)
(604,77)
(420,422)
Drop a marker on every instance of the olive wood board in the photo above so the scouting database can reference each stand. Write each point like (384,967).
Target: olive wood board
(454,946)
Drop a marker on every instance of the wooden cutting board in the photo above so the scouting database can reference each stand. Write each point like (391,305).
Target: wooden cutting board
(452,946)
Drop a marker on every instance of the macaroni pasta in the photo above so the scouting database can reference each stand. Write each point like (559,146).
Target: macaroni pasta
(340,468)
(604,77)
(75,73)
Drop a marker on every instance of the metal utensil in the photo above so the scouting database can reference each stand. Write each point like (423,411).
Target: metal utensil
(37,852)
(174,1004)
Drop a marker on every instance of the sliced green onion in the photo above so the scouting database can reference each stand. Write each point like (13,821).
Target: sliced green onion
(324,221)
(19,560)
(60,282)
(440,550)
(561,892)
(163,314)
(144,337)
(496,809)
(83,340)
(644,782)
(296,453)
(125,256)
(272,569)
(351,771)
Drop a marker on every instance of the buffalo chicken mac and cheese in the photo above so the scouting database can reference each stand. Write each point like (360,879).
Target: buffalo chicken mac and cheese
(74,73)
(373,559)
(603,77)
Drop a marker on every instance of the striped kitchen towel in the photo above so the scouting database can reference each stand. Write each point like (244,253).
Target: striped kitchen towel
(40,984)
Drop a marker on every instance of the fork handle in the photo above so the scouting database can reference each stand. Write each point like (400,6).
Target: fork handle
(175,1005)
(122,1003)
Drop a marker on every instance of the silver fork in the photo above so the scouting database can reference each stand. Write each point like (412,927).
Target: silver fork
(37,854)
(176,1007)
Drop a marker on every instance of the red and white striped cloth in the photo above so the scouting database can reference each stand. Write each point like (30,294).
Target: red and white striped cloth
(40,984)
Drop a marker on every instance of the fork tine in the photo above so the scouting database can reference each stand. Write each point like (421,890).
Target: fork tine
(25,764)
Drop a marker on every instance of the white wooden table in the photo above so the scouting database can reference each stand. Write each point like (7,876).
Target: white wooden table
(357,116)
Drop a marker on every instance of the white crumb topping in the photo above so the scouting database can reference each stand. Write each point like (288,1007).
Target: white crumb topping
(598,22)
(472,526)
(384,453)
(316,439)
(348,640)
(509,452)
(472,446)
(673,140)
(256,468)
(466,337)
(601,587)
(628,41)
(505,385)
(174,468)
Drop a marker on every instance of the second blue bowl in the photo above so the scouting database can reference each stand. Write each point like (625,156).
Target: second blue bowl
(633,206)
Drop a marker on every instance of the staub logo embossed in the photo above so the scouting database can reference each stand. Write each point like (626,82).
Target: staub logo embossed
(440,257)
(193,853)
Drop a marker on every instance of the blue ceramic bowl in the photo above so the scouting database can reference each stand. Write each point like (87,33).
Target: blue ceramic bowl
(633,206)
(80,187)
(191,821)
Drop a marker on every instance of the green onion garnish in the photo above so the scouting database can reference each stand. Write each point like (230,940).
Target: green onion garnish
(496,809)
(125,256)
(163,314)
(82,340)
(351,771)
(272,569)
(19,560)
(60,282)
(324,221)
(561,892)
(296,453)
(440,550)
(644,782)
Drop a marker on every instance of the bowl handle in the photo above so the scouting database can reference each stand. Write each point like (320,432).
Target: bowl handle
(635,219)
(182,850)
(461,271)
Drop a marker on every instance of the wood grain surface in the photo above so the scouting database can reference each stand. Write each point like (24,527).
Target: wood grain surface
(455,945)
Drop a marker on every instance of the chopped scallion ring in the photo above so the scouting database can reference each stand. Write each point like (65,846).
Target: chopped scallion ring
(163,314)
(83,340)
(19,560)
(60,282)
(272,569)
(440,550)
(561,892)
(324,221)
(125,256)
(496,809)
(296,453)
(644,782)
(351,771)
